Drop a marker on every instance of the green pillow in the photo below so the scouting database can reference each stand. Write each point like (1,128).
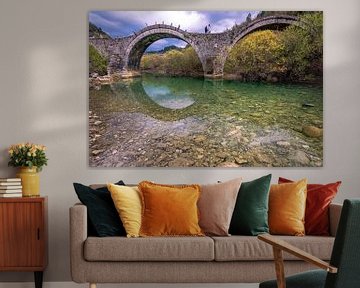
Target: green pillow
(250,216)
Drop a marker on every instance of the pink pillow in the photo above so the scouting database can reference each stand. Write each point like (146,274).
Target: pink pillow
(216,205)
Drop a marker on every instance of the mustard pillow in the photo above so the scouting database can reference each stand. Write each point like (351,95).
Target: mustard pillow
(287,204)
(169,210)
(127,201)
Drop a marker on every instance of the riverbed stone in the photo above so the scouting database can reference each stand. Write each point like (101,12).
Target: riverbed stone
(263,158)
(300,158)
(200,150)
(200,138)
(240,160)
(255,143)
(317,123)
(312,131)
(283,143)
(256,115)
(221,155)
(181,162)
(228,165)
(96,152)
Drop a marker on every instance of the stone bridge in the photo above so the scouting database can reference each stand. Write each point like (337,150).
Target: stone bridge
(125,53)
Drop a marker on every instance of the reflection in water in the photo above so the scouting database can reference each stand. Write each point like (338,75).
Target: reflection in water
(179,121)
(163,96)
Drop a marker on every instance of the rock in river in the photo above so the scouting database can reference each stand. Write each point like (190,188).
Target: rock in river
(300,158)
(308,105)
(96,152)
(200,138)
(228,165)
(181,162)
(283,143)
(312,131)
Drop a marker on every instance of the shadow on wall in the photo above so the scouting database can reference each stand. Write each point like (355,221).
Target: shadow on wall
(4,159)
(50,96)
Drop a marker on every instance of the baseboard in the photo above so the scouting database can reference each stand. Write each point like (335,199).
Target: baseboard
(74,285)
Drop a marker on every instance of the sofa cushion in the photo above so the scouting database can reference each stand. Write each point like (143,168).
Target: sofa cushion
(149,249)
(250,215)
(216,206)
(245,248)
(169,210)
(127,201)
(102,216)
(287,204)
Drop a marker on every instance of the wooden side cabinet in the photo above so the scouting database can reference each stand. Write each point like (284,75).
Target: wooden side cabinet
(23,235)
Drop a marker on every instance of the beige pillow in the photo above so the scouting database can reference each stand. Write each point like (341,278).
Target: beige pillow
(216,205)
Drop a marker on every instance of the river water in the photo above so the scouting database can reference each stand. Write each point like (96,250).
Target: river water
(182,122)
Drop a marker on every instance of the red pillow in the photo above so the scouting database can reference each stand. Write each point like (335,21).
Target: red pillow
(319,197)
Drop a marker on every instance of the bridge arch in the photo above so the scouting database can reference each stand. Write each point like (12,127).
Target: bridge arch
(147,36)
(278,22)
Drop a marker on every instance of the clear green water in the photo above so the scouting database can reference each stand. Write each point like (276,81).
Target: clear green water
(179,121)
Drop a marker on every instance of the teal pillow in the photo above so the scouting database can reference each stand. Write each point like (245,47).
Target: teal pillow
(250,216)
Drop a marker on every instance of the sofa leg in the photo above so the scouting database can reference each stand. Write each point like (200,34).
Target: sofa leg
(92,285)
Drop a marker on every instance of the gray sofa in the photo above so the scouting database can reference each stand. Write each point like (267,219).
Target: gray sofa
(234,259)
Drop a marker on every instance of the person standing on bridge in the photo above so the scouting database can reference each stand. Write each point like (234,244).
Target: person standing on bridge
(208,28)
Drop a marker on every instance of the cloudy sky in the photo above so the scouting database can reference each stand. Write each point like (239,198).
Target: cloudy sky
(124,23)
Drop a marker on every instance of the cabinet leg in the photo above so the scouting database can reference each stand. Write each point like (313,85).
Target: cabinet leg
(38,279)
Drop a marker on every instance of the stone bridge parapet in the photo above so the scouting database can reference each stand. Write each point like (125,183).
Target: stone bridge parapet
(125,53)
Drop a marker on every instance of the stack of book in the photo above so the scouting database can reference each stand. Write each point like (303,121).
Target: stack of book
(10,187)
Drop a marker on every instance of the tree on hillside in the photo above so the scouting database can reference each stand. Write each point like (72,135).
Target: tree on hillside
(97,63)
(303,47)
(180,61)
(257,56)
(97,32)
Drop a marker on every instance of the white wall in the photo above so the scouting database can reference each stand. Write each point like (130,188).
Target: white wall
(43,88)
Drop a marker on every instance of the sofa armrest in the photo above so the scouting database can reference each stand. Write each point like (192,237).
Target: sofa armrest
(334,217)
(78,235)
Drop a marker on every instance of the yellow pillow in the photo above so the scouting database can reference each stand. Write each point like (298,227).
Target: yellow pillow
(169,210)
(127,201)
(287,204)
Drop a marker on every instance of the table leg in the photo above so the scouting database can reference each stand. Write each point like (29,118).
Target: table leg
(38,279)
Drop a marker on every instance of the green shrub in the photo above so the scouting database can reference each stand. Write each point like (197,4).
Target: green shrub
(97,62)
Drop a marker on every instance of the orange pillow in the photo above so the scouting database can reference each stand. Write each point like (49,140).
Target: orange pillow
(169,210)
(287,204)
